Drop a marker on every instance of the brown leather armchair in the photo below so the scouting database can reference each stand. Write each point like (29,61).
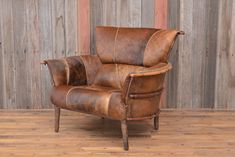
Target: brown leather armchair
(123,82)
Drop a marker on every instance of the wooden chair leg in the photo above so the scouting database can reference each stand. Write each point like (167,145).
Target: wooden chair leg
(156,122)
(125,134)
(57,118)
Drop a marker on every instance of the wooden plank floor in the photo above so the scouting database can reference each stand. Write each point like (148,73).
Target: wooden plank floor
(182,133)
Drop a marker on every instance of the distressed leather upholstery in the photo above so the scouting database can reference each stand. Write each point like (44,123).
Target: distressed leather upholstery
(123,81)
(98,100)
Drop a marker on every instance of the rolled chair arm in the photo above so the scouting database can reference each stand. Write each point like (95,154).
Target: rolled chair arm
(142,90)
(74,70)
(154,70)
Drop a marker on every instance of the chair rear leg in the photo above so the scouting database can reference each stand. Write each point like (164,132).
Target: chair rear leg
(156,122)
(125,134)
(57,118)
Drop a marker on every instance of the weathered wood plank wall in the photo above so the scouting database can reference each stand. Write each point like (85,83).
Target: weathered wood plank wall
(30,31)
(203,76)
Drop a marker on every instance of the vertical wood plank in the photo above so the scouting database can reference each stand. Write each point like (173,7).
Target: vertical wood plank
(135,13)
(33,57)
(20,50)
(123,13)
(147,13)
(8,53)
(45,47)
(161,13)
(212,8)
(185,57)
(224,68)
(109,13)
(198,51)
(173,23)
(1,62)
(96,14)
(231,104)
(58,24)
(84,26)
(71,26)
(33,53)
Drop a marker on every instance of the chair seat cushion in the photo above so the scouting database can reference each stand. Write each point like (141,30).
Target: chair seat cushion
(98,100)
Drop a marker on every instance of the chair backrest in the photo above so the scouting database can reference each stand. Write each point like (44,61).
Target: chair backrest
(124,50)
(134,46)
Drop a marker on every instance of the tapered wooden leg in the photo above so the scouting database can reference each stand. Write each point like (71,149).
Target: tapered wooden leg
(156,122)
(125,134)
(57,118)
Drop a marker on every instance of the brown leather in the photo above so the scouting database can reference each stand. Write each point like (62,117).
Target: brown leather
(139,46)
(123,82)
(74,70)
(102,101)
(92,64)
(142,90)
(114,75)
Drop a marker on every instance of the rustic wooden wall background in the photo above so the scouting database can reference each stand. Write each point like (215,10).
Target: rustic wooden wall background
(203,59)
(204,69)
(30,31)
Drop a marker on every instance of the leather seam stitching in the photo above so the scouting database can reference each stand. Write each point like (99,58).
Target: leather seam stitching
(114,49)
(82,62)
(114,56)
(52,77)
(66,98)
(120,83)
(67,70)
(107,106)
(157,31)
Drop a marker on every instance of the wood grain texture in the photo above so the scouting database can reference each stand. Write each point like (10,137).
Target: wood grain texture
(148,13)
(8,54)
(109,12)
(203,57)
(198,51)
(135,13)
(172,79)
(96,14)
(1,63)
(83,28)
(185,56)
(212,18)
(46,47)
(20,52)
(161,12)
(33,56)
(31,31)
(225,75)
(58,21)
(71,32)
(181,134)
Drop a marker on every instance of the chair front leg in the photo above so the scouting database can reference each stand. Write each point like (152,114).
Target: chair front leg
(57,118)
(125,134)
(156,122)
